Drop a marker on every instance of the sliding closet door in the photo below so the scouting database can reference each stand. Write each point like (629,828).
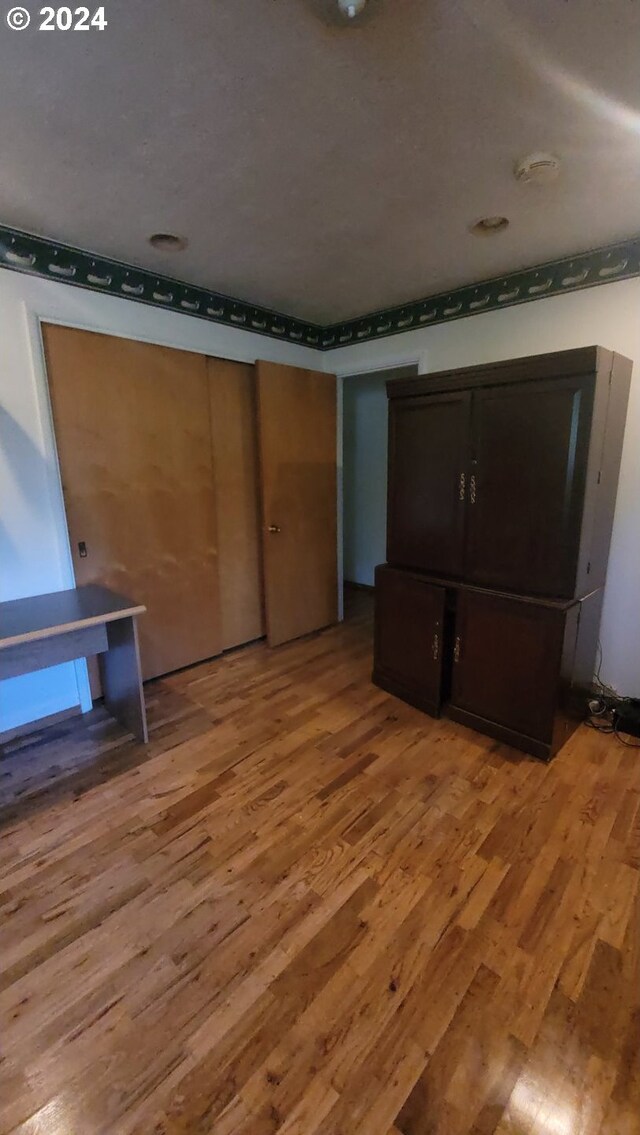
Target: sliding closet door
(235,448)
(297,428)
(132,425)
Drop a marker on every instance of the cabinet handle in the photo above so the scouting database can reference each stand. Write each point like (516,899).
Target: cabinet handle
(436,646)
(461,486)
(472,488)
(273,528)
(456,650)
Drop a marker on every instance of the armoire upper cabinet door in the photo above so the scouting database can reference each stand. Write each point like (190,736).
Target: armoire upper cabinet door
(526,485)
(428,472)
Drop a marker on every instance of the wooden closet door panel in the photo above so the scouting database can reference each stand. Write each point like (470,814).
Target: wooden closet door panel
(507,661)
(428,458)
(527,484)
(134,445)
(297,431)
(408,648)
(235,448)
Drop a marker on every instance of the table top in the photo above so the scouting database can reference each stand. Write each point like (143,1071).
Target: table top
(41,616)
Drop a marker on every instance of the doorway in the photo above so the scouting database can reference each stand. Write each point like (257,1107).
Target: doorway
(365,423)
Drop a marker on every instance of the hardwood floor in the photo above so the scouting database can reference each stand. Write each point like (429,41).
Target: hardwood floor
(308,908)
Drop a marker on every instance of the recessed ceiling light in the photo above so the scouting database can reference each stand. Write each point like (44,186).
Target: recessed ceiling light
(168,242)
(487,226)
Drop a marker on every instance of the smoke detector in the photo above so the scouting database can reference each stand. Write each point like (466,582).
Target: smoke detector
(537,169)
(351,8)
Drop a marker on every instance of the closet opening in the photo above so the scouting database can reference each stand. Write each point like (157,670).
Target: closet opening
(186,488)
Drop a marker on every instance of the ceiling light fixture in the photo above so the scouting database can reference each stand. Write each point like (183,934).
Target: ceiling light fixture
(168,242)
(351,8)
(487,226)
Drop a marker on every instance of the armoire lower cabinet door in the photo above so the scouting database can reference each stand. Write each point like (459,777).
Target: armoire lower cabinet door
(506,669)
(409,616)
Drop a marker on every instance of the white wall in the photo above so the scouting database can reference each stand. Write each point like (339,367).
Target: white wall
(365,475)
(34,552)
(608,315)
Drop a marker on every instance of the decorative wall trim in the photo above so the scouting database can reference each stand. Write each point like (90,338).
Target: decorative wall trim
(23,252)
(585,270)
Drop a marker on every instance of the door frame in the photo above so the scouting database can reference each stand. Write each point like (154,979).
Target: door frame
(340,491)
(54,480)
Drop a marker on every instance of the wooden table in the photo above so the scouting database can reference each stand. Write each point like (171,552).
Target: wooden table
(45,630)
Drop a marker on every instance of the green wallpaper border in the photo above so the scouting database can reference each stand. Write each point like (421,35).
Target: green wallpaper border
(571,274)
(49,259)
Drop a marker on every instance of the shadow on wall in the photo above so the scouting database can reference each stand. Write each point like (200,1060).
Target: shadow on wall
(25,466)
(25,473)
(365,417)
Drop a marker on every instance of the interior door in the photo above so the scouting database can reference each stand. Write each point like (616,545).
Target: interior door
(297,431)
(408,649)
(428,459)
(506,661)
(526,485)
(235,447)
(134,445)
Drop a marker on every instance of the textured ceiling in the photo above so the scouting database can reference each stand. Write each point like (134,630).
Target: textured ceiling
(322,171)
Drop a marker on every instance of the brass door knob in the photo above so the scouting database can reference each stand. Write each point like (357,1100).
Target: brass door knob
(273,528)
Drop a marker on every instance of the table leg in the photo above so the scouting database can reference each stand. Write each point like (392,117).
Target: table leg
(122,677)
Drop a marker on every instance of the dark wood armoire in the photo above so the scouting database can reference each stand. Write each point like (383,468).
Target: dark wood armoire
(501,496)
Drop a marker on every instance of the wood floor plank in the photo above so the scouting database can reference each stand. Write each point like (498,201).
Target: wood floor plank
(309,909)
